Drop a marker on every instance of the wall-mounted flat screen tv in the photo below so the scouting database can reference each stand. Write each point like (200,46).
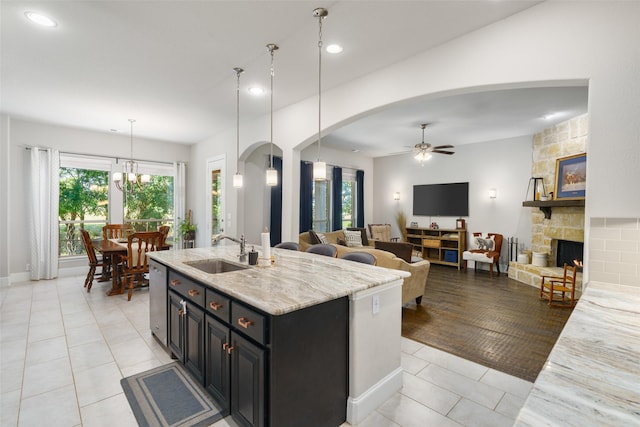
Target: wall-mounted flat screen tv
(441,199)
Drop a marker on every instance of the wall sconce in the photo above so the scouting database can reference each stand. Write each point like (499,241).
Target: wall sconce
(493,193)
(396,196)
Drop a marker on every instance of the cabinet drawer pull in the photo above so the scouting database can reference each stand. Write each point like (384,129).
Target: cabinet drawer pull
(181,312)
(229,349)
(193,292)
(175,282)
(225,346)
(215,305)
(244,322)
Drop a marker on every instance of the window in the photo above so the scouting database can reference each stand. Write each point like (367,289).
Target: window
(348,199)
(151,205)
(321,206)
(84,201)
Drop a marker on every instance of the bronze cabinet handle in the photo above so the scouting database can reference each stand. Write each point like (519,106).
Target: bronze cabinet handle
(193,292)
(244,322)
(229,349)
(215,305)
(225,346)
(175,282)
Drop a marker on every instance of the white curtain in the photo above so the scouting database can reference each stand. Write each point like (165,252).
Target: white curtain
(179,194)
(43,212)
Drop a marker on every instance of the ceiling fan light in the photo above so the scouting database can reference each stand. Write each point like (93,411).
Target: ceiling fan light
(423,156)
(319,171)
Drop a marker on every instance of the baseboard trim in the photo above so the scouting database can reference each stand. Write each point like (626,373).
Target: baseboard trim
(358,408)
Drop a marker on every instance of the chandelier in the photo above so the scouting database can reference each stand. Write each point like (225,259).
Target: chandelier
(129,179)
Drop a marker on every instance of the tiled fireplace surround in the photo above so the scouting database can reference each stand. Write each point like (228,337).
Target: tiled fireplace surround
(614,243)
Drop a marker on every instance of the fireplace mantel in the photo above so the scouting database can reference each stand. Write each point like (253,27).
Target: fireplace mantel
(546,205)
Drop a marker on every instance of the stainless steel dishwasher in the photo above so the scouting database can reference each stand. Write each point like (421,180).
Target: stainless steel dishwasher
(158,300)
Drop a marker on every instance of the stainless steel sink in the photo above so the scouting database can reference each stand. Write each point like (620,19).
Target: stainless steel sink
(216,266)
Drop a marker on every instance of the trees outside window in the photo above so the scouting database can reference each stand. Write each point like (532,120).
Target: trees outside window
(84,203)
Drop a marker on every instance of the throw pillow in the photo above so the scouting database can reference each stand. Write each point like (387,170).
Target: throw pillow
(323,239)
(353,238)
(313,238)
(363,232)
(485,242)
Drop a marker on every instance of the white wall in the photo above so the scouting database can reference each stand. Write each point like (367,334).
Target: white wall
(5,174)
(24,133)
(551,43)
(504,165)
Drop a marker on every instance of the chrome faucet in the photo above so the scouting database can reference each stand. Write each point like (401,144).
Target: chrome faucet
(242,241)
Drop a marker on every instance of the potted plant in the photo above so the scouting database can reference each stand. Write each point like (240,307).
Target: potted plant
(187,228)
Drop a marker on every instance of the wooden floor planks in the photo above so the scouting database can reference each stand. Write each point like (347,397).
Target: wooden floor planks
(495,321)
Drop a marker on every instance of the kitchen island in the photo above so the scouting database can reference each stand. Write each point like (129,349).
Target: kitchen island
(310,340)
(591,377)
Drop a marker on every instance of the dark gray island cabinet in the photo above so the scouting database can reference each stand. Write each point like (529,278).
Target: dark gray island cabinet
(285,370)
(309,341)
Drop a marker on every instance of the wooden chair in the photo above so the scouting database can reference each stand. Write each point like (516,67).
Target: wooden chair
(94,261)
(484,254)
(164,229)
(363,257)
(115,231)
(136,264)
(555,288)
(323,249)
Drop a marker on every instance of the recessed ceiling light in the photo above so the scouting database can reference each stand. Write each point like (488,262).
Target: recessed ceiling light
(334,48)
(40,19)
(255,90)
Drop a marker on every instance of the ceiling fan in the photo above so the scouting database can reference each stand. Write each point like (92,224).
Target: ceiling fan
(423,150)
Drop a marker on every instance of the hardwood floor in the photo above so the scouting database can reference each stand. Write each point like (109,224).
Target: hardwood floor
(496,322)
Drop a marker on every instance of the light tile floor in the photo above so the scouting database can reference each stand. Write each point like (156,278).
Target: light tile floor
(63,352)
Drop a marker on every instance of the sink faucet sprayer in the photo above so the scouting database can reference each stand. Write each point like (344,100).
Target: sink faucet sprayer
(242,241)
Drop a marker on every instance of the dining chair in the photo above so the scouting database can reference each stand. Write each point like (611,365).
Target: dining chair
(363,257)
(288,245)
(323,249)
(94,261)
(555,288)
(164,229)
(115,231)
(136,264)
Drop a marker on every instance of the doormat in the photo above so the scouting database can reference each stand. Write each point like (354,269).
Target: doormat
(168,396)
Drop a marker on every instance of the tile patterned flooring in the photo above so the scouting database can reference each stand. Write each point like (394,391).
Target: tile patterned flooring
(63,352)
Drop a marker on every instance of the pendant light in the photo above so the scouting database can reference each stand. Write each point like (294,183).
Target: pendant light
(237,178)
(272,174)
(320,167)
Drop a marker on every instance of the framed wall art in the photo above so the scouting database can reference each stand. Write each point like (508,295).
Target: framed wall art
(571,177)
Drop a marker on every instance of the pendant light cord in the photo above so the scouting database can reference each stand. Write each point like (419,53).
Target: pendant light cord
(320,18)
(272,48)
(238,72)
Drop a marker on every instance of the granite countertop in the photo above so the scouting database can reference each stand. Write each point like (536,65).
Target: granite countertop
(592,375)
(296,280)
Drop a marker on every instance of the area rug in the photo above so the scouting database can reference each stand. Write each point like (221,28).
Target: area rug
(168,396)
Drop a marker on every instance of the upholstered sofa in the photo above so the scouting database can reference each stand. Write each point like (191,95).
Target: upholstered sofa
(413,287)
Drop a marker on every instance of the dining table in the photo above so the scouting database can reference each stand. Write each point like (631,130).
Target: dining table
(113,248)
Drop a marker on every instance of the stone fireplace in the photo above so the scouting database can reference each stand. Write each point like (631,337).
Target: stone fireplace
(563,223)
